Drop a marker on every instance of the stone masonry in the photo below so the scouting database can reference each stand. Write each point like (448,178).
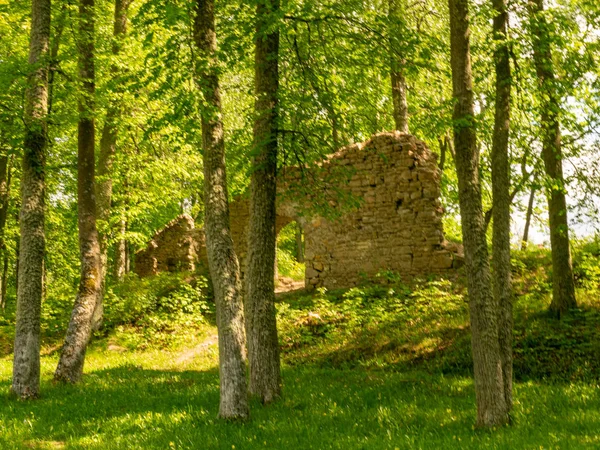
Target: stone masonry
(396,225)
(178,246)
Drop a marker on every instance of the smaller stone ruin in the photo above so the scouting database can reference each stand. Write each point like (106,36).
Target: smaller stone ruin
(178,246)
(396,226)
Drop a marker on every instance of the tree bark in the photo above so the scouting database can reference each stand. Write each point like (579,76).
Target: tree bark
(442,143)
(563,283)
(59,27)
(5,178)
(108,147)
(261,326)
(397,78)
(528,216)
(501,197)
(489,385)
(120,263)
(299,244)
(4,278)
(26,365)
(18,250)
(222,259)
(72,357)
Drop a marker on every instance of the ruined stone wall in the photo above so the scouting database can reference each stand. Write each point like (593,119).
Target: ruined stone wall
(397,225)
(178,246)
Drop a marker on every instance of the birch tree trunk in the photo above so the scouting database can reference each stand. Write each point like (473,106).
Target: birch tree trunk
(120,262)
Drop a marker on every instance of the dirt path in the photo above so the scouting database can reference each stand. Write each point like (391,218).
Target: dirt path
(285,285)
(189,354)
(288,285)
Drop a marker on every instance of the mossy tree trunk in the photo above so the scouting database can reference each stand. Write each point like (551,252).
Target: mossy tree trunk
(222,259)
(72,356)
(501,197)
(489,385)
(108,148)
(5,179)
(261,326)
(563,283)
(26,362)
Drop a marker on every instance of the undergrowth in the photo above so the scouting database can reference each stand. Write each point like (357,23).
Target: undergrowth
(383,365)
(396,326)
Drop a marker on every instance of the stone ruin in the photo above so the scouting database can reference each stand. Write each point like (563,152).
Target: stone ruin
(396,225)
(178,246)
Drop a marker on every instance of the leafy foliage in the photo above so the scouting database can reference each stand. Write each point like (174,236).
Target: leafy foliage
(151,311)
(287,253)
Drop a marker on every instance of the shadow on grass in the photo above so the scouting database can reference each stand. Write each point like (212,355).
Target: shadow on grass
(432,334)
(127,407)
(112,397)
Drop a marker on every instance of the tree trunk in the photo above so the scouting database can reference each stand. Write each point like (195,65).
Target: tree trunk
(59,27)
(5,178)
(443,144)
(120,264)
(261,326)
(4,278)
(528,215)
(72,357)
(18,250)
(563,284)
(501,197)
(299,244)
(26,365)
(396,12)
(222,259)
(489,386)
(108,146)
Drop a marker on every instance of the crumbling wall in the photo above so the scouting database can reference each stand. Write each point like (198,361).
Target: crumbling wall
(178,246)
(396,226)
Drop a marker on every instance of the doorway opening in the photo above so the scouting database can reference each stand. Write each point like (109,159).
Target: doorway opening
(290,267)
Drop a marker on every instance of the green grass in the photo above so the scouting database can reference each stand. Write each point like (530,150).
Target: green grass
(381,366)
(141,401)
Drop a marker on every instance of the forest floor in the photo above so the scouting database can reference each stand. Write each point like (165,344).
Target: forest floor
(380,366)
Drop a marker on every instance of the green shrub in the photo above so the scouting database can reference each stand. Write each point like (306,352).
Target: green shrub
(287,266)
(586,263)
(160,311)
(168,294)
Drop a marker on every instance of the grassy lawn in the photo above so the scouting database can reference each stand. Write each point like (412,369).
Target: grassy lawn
(382,366)
(142,400)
